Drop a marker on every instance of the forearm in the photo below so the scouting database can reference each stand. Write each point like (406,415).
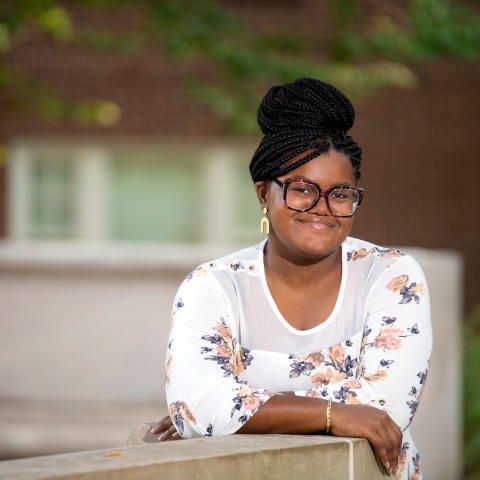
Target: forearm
(288,414)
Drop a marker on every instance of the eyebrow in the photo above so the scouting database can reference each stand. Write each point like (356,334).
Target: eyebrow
(301,177)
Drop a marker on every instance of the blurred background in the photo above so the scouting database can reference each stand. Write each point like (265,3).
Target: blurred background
(126,129)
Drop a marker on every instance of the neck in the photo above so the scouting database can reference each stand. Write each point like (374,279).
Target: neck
(300,271)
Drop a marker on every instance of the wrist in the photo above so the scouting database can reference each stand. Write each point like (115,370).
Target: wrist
(328,415)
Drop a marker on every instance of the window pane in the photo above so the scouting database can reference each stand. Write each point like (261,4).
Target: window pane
(154,201)
(52,199)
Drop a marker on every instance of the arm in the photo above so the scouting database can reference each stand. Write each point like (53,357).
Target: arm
(391,371)
(204,360)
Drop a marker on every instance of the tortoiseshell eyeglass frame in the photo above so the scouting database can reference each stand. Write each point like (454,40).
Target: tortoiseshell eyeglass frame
(321,193)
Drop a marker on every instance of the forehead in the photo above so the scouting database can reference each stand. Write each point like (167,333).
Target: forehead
(327,169)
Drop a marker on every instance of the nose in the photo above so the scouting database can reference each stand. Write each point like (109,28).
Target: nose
(321,207)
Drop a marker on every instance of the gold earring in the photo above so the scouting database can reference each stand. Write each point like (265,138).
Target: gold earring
(264,223)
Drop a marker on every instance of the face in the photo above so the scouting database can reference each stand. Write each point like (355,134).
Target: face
(316,233)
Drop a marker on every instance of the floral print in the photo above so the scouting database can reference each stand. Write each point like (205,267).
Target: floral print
(398,283)
(417,392)
(304,364)
(251,399)
(412,291)
(196,272)
(322,378)
(179,413)
(168,367)
(402,459)
(335,367)
(236,266)
(388,338)
(209,431)
(233,358)
(338,366)
(362,253)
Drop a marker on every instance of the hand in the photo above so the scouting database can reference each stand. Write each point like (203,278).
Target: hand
(364,421)
(167,430)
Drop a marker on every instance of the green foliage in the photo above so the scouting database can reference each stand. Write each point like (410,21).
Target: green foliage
(471,397)
(55,22)
(431,29)
(248,62)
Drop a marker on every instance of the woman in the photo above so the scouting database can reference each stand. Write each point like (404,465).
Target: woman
(311,330)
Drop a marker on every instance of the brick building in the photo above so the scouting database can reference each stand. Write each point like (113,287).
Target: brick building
(420,147)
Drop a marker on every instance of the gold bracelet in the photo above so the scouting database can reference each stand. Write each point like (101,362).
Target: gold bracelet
(329,407)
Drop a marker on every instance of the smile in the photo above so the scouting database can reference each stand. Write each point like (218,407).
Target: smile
(317,224)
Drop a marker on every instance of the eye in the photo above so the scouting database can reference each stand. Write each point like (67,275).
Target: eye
(338,195)
(301,190)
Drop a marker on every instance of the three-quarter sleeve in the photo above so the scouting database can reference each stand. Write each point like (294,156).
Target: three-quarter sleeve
(391,370)
(204,360)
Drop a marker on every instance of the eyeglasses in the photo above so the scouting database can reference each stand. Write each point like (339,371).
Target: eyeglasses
(303,195)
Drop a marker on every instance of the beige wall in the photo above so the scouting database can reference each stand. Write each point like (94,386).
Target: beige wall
(83,337)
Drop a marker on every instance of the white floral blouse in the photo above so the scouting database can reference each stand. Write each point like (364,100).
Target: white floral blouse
(230,349)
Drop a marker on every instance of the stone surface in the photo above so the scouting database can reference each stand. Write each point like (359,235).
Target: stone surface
(32,428)
(141,434)
(288,457)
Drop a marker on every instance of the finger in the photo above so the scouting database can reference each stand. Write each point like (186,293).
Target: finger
(176,436)
(393,441)
(164,419)
(378,445)
(392,444)
(162,425)
(167,434)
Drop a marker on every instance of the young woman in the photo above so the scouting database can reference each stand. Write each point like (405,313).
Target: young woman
(311,330)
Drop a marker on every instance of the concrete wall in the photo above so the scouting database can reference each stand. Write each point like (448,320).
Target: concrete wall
(83,337)
(249,456)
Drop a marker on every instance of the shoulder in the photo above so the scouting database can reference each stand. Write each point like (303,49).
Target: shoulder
(221,271)
(250,254)
(357,250)
(380,262)
(389,272)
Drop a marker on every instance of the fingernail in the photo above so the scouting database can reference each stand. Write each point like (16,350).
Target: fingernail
(152,430)
(160,438)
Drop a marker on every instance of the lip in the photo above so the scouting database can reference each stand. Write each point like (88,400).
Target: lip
(317,223)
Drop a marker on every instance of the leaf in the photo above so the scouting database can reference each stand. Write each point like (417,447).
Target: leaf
(404,301)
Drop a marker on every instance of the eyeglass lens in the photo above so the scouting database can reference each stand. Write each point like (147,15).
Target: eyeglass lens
(342,201)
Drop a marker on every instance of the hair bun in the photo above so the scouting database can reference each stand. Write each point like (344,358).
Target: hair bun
(305,104)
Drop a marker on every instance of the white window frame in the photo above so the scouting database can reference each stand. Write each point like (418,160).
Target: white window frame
(93,163)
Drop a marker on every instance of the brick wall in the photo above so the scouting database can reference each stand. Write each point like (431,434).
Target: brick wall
(421,161)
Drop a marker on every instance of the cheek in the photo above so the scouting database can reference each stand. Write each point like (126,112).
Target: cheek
(346,224)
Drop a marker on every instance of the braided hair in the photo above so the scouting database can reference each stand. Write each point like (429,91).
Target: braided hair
(300,116)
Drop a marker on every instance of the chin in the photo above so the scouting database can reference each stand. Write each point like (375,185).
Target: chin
(314,248)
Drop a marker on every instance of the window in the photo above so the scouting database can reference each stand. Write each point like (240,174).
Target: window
(52,199)
(169,193)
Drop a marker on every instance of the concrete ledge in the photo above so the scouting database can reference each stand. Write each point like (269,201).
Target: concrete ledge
(249,456)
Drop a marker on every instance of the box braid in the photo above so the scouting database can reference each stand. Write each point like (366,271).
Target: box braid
(300,116)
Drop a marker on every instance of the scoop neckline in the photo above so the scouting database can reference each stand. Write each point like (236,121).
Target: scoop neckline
(273,305)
